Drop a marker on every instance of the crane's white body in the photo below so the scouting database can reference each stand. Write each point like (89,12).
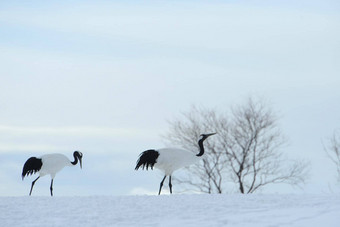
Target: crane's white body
(49,164)
(171,159)
(53,163)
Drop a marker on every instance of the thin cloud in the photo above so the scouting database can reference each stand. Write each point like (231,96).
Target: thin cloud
(74,131)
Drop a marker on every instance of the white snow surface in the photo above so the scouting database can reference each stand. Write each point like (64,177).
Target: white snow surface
(171,210)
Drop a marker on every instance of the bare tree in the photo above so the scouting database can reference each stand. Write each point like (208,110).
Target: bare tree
(253,149)
(246,151)
(333,150)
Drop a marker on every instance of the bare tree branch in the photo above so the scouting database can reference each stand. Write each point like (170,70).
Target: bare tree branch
(333,150)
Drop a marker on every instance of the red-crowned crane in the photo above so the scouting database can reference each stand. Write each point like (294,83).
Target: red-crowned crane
(170,159)
(49,164)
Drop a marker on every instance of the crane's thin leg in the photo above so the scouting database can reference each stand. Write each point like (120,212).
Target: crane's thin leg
(51,188)
(170,185)
(161,185)
(33,182)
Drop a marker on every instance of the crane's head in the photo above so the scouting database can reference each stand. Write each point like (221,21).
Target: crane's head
(78,155)
(205,136)
(200,142)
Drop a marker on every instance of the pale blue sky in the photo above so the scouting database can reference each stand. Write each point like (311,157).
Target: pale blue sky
(103,77)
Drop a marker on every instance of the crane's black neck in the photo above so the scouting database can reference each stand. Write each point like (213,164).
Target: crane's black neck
(200,144)
(75,162)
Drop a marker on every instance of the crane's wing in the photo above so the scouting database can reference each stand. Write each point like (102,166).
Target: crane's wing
(32,165)
(147,158)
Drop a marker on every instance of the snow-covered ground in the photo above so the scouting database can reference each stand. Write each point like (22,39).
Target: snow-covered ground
(172,210)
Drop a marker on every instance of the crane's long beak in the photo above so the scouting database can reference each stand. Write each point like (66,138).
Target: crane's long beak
(80,163)
(210,134)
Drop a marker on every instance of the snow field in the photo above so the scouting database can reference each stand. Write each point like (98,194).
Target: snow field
(171,210)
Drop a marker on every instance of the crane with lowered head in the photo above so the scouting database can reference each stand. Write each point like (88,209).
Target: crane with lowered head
(49,164)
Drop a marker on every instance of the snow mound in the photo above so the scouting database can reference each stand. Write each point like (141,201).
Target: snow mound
(171,210)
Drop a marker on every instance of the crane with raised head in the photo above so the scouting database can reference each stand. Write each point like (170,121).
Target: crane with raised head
(170,159)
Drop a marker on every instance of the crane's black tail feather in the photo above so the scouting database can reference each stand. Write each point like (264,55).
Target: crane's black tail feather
(146,159)
(32,165)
